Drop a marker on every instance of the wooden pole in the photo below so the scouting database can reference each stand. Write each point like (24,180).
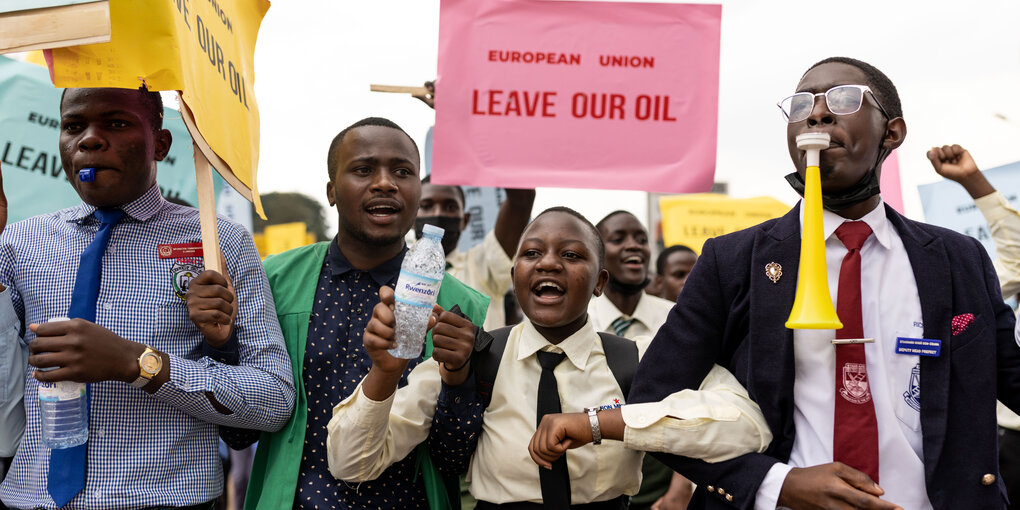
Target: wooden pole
(207,212)
(55,27)
(399,89)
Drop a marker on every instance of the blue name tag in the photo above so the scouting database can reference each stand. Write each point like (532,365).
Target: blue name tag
(918,346)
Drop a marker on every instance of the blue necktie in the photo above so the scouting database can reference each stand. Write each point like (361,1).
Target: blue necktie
(67,466)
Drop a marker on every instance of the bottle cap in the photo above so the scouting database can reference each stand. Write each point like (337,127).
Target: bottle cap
(433,231)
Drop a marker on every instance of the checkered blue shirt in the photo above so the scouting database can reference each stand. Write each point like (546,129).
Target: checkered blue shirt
(145,450)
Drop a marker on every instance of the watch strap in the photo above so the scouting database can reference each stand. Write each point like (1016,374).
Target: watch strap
(593,420)
(140,382)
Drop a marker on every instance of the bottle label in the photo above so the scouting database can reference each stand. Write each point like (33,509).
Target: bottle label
(417,290)
(61,391)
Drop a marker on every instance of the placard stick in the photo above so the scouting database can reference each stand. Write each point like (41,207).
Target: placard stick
(399,89)
(54,27)
(207,212)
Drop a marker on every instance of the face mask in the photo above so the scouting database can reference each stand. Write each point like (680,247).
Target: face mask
(449,224)
(866,188)
(835,202)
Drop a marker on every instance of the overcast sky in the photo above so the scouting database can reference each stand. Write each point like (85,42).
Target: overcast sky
(956,65)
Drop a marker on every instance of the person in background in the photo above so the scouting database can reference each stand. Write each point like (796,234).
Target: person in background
(624,309)
(956,164)
(672,267)
(486,266)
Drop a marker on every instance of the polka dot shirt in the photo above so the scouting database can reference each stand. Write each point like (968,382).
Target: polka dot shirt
(335,362)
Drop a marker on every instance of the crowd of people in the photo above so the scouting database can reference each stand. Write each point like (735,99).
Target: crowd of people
(619,389)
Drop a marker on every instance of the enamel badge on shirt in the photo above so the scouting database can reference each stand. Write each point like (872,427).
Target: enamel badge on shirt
(188,264)
(918,346)
(179,251)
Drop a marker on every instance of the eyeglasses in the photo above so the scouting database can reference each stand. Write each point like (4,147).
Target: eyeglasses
(841,100)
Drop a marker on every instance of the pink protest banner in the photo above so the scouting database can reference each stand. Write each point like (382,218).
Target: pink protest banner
(889,182)
(608,95)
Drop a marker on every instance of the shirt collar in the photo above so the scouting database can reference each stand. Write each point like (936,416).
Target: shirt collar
(141,209)
(644,312)
(875,219)
(577,347)
(383,274)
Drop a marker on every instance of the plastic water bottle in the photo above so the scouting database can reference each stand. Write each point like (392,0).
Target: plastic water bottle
(64,411)
(421,274)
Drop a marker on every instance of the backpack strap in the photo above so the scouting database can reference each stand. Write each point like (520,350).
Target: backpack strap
(489,347)
(622,358)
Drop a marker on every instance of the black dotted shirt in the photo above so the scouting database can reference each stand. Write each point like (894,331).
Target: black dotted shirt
(335,362)
(456,426)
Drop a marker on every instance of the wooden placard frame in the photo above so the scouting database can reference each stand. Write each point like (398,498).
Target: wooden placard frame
(55,27)
(399,89)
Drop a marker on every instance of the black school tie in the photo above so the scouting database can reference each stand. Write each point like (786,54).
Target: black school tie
(556,481)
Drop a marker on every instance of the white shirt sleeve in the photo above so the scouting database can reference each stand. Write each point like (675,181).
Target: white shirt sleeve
(492,264)
(366,436)
(1004,224)
(767,497)
(716,423)
(13,364)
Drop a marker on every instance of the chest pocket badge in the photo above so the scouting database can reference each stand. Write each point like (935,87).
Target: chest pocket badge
(913,394)
(182,272)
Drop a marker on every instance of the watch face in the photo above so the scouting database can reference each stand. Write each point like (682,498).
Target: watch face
(151,362)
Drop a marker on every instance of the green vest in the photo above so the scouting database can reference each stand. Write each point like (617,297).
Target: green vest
(292,277)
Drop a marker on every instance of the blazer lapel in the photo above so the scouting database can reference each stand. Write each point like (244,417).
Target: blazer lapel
(771,343)
(928,252)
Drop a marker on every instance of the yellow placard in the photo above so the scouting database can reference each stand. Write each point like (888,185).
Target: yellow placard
(692,219)
(203,48)
(285,236)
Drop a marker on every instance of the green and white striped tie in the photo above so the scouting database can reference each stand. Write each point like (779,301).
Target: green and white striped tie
(621,324)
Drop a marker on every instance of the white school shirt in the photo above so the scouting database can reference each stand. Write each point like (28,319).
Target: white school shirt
(649,315)
(890,308)
(485,268)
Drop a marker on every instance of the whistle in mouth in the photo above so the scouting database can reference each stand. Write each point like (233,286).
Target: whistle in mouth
(87,174)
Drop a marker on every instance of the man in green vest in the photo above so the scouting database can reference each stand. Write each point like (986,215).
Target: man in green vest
(324,297)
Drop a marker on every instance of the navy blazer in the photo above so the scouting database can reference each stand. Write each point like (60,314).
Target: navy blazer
(730,313)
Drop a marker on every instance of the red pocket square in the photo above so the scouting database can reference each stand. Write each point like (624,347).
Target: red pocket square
(961,322)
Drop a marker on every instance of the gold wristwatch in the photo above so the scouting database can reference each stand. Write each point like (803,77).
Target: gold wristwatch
(149,364)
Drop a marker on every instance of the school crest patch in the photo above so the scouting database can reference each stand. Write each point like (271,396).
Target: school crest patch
(913,394)
(855,383)
(182,272)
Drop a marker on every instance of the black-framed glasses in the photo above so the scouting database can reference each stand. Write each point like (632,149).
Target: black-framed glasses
(841,100)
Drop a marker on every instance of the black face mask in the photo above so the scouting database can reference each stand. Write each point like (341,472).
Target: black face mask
(835,202)
(449,224)
(866,188)
(628,289)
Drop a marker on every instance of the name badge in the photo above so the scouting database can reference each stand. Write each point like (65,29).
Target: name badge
(179,251)
(918,346)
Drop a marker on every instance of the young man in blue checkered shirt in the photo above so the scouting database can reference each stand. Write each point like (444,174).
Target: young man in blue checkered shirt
(155,400)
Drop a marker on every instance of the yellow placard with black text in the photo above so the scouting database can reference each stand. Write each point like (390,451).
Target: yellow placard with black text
(203,48)
(692,219)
